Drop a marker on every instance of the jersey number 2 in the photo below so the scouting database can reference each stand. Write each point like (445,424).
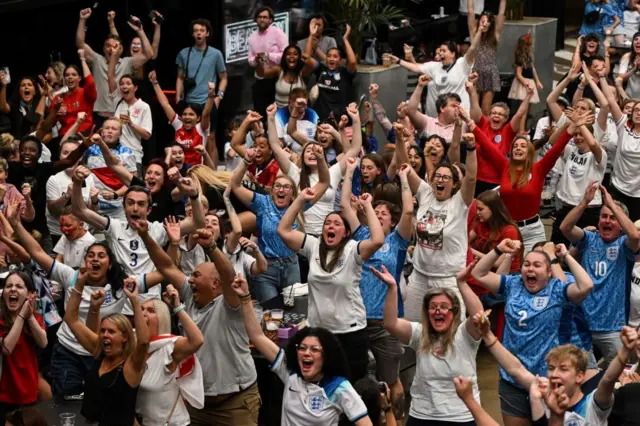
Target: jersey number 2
(523,316)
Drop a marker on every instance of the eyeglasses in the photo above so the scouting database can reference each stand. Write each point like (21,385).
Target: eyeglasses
(444,178)
(444,309)
(286,186)
(315,350)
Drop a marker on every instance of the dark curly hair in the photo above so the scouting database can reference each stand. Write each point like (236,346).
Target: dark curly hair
(333,356)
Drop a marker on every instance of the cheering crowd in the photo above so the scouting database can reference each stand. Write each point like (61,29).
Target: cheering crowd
(132,284)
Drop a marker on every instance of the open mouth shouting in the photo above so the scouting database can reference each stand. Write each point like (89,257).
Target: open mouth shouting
(433,156)
(306,366)
(440,188)
(106,346)
(150,182)
(331,238)
(531,280)
(13,301)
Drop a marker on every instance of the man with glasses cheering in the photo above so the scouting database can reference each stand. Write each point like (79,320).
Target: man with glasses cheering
(265,49)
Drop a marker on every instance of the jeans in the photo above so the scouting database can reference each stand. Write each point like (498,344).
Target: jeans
(68,371)
(608,343)
(280,273)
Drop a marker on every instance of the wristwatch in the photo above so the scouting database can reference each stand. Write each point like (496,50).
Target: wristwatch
(555,261)
(220,94)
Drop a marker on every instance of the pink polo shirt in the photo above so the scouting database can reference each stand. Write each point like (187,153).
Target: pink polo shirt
(431,126)
(273,41)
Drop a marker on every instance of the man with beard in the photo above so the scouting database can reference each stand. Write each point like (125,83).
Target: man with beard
(106,105)
(265,49)
(198,66)
(123,238)
(608,257)
(230,387)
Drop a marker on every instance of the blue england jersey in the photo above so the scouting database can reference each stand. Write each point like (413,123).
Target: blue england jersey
(532,321)
(609,265)
(579,334)
(392,255)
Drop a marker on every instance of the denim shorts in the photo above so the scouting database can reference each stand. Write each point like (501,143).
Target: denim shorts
(514,401)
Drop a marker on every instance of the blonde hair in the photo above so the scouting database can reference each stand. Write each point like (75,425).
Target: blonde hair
(8,145)
(576,356)
(164,317)
(124,326)
(208,177)
(431,339)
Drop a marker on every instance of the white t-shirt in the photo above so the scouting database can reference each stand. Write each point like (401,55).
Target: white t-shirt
(189,259)
(56,186)
(478,7)
(140,115)
(335,302)
(608,139)
(634,299)
(113,303)
(128,247)
(73,251)
(309,404)
(587,413)
(625,176)
(446,82)
(433,393)
(441,249)
(241,261)
(230,164)
(579,170)
(315,216)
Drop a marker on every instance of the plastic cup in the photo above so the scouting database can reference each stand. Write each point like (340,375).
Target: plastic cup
(277,314)
(386,61)
(67,419)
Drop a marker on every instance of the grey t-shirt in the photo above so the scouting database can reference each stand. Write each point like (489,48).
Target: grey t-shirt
(225,356)
(99,67)
(325,44)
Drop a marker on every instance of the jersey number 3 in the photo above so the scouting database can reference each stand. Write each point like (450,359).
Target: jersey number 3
(134,260)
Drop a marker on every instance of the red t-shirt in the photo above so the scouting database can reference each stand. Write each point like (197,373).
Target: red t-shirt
(501,140)
(81,100)
(19,379)
(189,139)
(523,203)
(264,175)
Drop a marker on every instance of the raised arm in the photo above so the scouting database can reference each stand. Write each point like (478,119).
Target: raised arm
(158,256)
(468,186)
(471,17)
(578,291)
(4,106)
(78,207)
(111,18)
(238,139)
(604,393)
(475,110)
(193,339)
(351,56)
(139,59)
(191,188)
(208,107)
(134,365)
(418,119)
(376,239)
(378,109)
(112,161)
(111,70)
(482,271)
(291,237)
(453,153)
(26,239)
(85,14)
(263,344)
(405,225)
(356,140)
(610,94)
(470,56)
(471,300)
(523,109)
(627,226)
(464,389)
(155,43)
(86,337)
(568,226)
(162,98)
(346,208)
(576,59)
(281,156)
(552,99)
(397,327)
(500,19)
(243,194)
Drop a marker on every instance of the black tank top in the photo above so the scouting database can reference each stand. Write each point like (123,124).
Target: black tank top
(108,399)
